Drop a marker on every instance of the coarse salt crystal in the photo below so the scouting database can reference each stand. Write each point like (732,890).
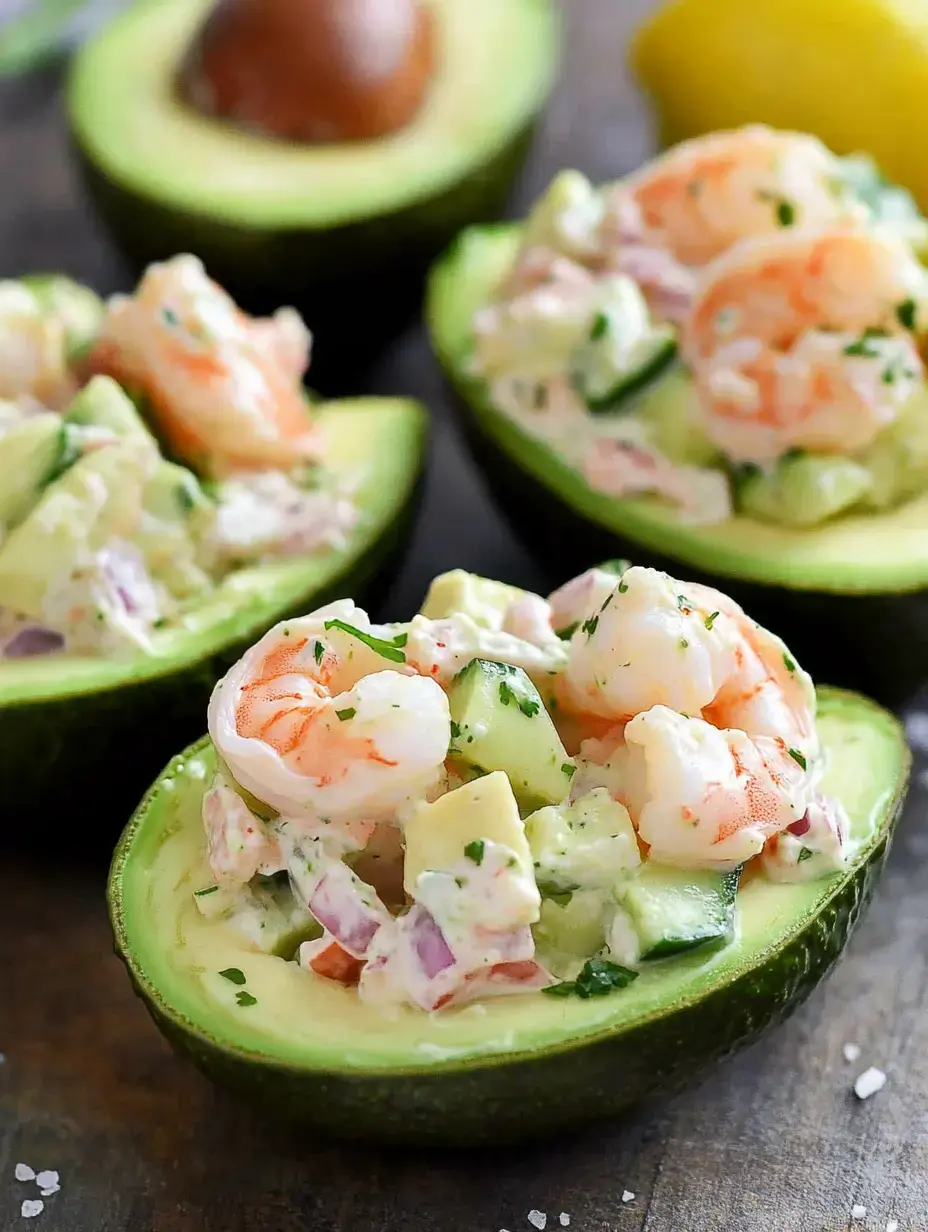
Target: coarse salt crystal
(892,1226)
(32,1207)
(47,1182)
(563,1219)
(858,1211)
(869,1082)
(627,1195)
(537,1219)
(23,1172)
(851,1052)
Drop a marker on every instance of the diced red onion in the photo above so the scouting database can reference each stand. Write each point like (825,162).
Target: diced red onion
(800,827)
(341,911)
(428,943)
(33,640)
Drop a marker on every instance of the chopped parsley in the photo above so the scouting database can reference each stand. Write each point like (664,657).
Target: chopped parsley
(392,650)
(786,213)
(455,730)
(683,603)
(589,626)
(905,314)
(683,643)
(623,586)
(567,633)
(798,757)
(245,998)
(170,317)
(233,975)
(805,853)
(209,890)
(568,769)
(864,344)
(600,327)
(346,714)
(710,620)
(527,705)
(789,663)
(475,850)
(318,651)
(598,978)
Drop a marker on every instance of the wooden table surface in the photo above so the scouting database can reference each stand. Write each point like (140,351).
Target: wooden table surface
(773,1142)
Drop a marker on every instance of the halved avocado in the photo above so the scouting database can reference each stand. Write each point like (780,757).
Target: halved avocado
(81,728)
(849,597)
(344,231)
(517,1067)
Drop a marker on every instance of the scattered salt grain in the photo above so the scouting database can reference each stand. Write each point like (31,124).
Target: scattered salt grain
(23,1172)
(851,1052)
(892,1226)
(916,730)
(48,1182)
(32,1207)
(563,1219)
(537,1219)
(858,1211)
(869,1082)
(627,1195)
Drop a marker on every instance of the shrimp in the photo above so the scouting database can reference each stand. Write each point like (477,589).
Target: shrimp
(805,340)
(224,389)
(705,195)
(714,746)
(309,721)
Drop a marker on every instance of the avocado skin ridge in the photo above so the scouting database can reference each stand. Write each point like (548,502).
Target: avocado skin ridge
(358,284)
(495,1101)
(57,754)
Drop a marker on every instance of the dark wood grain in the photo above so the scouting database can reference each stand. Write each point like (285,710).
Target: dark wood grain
(773,1142)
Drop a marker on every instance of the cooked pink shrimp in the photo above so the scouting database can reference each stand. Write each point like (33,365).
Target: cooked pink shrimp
(718,749)
(706,194)
(310,721)
(224,389)
(803,340)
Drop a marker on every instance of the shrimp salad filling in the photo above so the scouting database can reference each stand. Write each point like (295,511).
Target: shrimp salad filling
(737,325)
(103,540)
(511,794)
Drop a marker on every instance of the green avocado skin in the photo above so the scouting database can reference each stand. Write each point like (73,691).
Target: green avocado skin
(534,1097)
(58,754)
(357,285)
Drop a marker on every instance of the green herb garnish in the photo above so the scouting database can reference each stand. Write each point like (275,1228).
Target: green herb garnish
(209,890)
(598,978)
(566,634)
(710,620)
(233,975)
(527,705)
(905,314)
(589,626)
(568,769)
(789,663)
(475,850)
(623,586)
(798,757)
(455,730)
(388,650)
(344,715)
(786,213)
(805,853)
(600,327)
(245,998)
(863,345)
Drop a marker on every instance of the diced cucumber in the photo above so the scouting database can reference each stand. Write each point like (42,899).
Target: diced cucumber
(173,494)
(32,454)
(623,349)
(500,723)
(670,408)
(674,910)
(574,927)
(177,514)
(484,600)
(804,490)
(266,912)
(566,217)
(103,404)
(79,309)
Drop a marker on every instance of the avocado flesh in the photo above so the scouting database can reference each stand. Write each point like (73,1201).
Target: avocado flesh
(338,230)
(833,592)
(520,1066)
(62,717)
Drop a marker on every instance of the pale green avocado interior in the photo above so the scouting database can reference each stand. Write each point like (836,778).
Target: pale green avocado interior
(309,1023)
(377,445)
(862,553)
(496,63)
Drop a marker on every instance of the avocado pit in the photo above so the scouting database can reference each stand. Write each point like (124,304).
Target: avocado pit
(313,71)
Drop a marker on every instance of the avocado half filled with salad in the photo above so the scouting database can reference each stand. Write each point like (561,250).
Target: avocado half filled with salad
(511,866)
(319,154)
(167,492)
(717,361)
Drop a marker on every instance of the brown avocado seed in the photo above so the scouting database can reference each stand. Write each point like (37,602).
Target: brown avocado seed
(312,70)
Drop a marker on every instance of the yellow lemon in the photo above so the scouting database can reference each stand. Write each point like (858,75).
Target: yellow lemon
(853,72)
